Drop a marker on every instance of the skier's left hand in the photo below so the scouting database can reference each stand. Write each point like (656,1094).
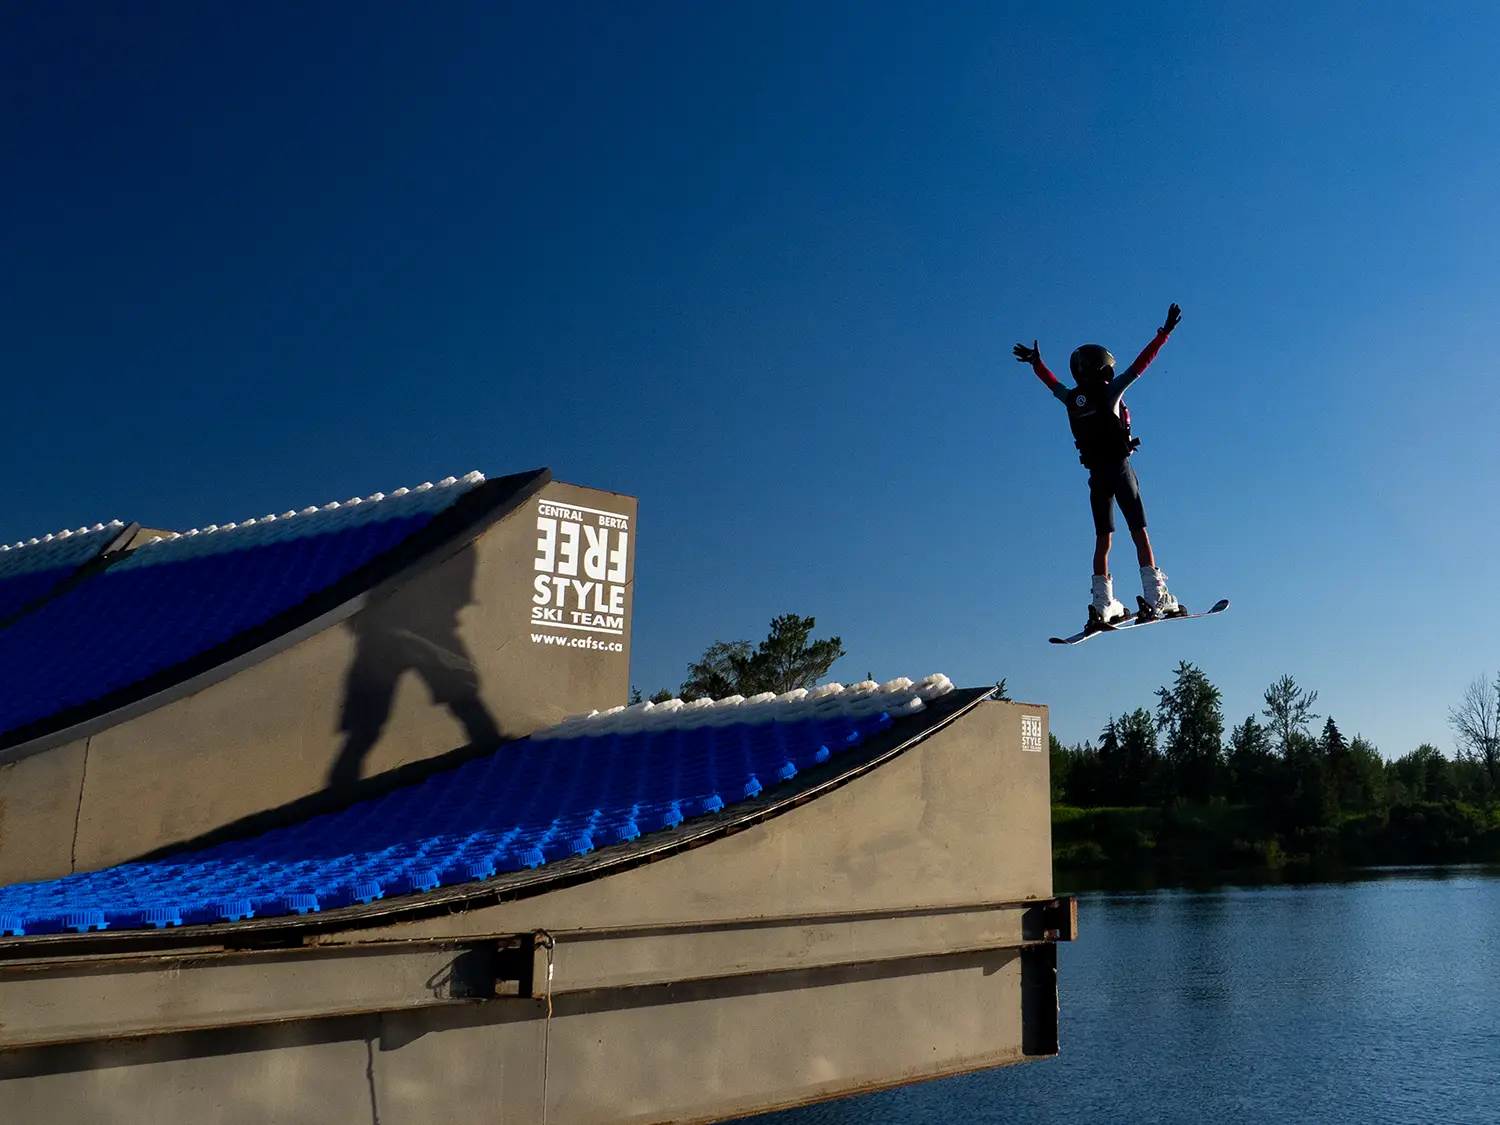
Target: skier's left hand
(1031,354)
(1174,317)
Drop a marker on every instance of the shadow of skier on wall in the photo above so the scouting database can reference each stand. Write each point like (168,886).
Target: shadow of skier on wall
(416,630)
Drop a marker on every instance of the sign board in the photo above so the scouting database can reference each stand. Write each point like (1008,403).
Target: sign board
(1031,733)
(582,565)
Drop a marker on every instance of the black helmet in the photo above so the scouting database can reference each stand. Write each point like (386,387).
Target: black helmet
(1092,361)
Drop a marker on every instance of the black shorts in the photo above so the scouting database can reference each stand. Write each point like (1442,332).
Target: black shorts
(1113,484)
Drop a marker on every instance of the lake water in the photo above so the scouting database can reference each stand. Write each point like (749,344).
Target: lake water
(1369,1001)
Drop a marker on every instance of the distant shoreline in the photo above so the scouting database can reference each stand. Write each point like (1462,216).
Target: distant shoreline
(1215,843)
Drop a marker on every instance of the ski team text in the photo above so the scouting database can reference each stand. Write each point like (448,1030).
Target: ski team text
(581,559)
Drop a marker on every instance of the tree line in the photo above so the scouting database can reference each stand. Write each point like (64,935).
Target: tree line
(1278,786)
(786,660)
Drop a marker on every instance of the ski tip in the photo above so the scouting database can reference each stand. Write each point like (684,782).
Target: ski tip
(1219,606)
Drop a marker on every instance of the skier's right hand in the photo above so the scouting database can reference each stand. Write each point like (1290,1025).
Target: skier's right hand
(1027,355)
(1174,317)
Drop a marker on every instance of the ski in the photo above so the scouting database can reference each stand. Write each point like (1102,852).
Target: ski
(1093,631)
(1134,623)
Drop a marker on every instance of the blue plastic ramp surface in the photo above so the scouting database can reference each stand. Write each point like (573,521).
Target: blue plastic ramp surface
(583,785)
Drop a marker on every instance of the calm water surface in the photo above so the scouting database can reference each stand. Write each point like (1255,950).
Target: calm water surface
(1370,1001)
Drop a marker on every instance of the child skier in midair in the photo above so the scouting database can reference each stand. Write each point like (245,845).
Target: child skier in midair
(1101,429)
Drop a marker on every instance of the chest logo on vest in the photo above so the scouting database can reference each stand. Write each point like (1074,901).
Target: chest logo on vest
(1081,400)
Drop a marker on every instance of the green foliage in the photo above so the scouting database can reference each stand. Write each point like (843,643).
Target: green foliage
(786,660)
(716,673)
(1290,710)
(1169,794)
(1361,784)
(1255,775)
(1188,713)
(1130,764)
(1182,837)
(1424,832)
(1422,775)
(1060,767)
(1083,776)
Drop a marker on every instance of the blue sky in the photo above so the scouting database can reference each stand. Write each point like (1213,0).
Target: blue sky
(761,265)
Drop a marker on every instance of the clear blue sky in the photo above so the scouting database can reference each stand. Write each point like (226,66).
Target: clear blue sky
(762,266)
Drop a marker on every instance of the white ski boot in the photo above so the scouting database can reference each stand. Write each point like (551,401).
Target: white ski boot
(1157,602)
(1104,609)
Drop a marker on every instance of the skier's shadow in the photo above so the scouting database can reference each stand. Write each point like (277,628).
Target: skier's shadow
(415,629)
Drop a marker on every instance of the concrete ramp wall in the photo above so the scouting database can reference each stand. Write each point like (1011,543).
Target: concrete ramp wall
(896,926)
(488,636)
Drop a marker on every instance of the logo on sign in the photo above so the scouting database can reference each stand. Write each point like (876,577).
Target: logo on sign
(1031,733)
(582,563)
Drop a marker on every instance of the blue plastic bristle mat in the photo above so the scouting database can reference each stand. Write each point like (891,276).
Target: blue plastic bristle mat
(125,624)
(522,806)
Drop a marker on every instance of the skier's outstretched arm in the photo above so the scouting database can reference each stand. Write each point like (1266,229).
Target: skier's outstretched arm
(1033,356)
(1143,361)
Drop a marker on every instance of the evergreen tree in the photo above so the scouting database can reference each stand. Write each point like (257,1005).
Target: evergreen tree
(1111,767)
(715,675)
(1189,713)
(660,696)
(786,660)
(1085,786)
(1059,766)
(1255,772)
(1139,758)
(1127,759)
(1310,805)
(1335,754)
(1333,743)
(1305,795)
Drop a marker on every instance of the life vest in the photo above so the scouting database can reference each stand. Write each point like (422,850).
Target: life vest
(1100,434)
